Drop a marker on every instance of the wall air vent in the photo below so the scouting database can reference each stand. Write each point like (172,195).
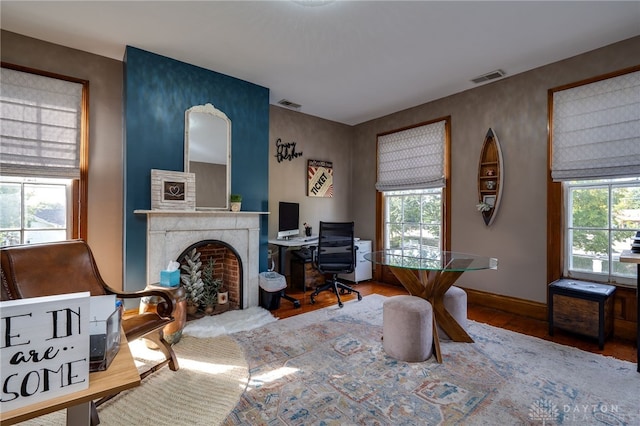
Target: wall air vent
(489,76)
(289,104)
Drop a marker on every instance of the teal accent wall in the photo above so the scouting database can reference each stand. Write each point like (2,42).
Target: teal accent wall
(157,92)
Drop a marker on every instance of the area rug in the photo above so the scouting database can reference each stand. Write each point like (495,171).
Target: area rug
(211,378)
(328,368)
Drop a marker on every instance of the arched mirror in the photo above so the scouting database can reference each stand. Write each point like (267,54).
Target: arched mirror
(207,154)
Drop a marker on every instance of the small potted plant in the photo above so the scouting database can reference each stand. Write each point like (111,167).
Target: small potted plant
(236,202)
(192,281)
(212,286)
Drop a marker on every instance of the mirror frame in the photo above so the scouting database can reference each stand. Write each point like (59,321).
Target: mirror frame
(215,113)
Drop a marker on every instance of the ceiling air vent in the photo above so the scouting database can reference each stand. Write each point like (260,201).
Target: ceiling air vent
(489,76)
(289,104)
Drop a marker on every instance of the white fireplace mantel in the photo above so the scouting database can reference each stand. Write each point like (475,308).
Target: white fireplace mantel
(170,232)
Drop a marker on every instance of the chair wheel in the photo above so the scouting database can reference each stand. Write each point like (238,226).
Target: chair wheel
(313,301)
(359,296)
(296,304)
(340,304)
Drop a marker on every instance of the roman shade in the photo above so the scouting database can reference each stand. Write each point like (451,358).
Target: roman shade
(595,130)
(40,122)
(412,158)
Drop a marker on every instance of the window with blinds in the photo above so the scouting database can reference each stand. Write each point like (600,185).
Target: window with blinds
(411,179)
(43,166)
(595,146)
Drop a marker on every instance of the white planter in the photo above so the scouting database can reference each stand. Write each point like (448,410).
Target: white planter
(235,207)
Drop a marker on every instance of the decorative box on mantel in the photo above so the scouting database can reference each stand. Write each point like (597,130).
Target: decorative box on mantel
(170,232)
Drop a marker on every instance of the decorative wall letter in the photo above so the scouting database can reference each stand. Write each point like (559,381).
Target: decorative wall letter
(286,151)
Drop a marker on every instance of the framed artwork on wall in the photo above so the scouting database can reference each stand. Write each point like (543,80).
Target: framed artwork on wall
(490,200)
(319,178)
(172,190)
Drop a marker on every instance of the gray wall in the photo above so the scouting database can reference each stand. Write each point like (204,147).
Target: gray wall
(516,109)
(316,139)
(104,233)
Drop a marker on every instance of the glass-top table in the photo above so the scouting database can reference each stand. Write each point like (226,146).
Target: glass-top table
(429,273)
(431,260)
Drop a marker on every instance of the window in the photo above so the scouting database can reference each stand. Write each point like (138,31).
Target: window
(594,195)
(43,156)
(413,219)
(33,210)
(412,174)
(603,216)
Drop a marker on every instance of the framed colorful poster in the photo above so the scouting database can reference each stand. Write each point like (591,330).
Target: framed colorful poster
(320,178)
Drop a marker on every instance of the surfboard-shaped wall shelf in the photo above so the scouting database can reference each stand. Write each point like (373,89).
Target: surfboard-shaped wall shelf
(490,174)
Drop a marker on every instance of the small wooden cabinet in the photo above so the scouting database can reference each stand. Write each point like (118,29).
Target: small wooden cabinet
(304,276)
(581,307)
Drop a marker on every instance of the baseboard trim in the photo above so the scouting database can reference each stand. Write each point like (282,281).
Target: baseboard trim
(512,305)
(621,328)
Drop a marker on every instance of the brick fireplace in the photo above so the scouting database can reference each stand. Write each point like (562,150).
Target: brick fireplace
(226,266)
(171,233)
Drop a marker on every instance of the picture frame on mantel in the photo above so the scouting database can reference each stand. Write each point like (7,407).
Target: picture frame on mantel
(172,190)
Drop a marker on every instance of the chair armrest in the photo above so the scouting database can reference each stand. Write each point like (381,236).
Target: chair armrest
(165,308)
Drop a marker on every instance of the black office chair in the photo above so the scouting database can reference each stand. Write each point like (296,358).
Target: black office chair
(335,254)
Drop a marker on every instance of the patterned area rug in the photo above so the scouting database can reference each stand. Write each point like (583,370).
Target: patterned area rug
(328,368)
(211,378)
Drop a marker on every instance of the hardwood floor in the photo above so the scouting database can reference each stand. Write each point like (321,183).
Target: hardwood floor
(617,348)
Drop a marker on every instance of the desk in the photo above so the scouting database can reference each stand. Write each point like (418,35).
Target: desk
(283,246)
(631,257)
(437,271)
(122,374)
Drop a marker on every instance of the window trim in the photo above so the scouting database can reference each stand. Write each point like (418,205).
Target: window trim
(80,187)
(446,194)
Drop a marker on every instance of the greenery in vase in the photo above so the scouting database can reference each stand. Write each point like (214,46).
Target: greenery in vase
(212,285)
(192,278)
(235,198)
(484,207)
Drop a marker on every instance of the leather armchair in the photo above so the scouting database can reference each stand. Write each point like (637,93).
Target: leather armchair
(68,267)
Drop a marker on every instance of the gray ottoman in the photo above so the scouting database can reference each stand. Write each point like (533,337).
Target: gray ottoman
(407,328)
(455,302)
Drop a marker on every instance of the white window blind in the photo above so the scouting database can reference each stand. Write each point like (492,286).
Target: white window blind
(40,121)
(412,158)
(596,130)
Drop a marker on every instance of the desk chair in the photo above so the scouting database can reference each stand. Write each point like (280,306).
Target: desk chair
(335,254)
(49,269)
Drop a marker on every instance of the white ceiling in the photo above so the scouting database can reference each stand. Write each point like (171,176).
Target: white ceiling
(347,61)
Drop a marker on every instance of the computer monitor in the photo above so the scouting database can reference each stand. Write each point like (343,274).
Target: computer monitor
(288,220)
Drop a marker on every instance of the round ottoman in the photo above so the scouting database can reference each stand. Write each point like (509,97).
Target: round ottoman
(407,328)
(455,302)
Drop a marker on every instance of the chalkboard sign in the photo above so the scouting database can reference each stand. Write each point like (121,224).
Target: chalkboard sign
(44,348)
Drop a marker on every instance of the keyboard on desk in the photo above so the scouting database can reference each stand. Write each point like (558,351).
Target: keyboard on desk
(304,239)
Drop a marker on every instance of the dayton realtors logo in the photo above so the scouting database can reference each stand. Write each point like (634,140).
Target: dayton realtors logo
(544,411)
(547,412)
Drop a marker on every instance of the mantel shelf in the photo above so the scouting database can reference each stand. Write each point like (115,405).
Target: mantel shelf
(197,212)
